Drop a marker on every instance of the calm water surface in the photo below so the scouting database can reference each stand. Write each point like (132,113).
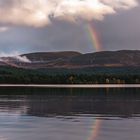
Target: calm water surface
(69,114)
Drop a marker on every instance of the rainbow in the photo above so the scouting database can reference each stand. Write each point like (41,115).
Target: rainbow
(95,130)
(94,37)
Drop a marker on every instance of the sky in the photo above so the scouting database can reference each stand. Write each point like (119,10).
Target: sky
(61,25)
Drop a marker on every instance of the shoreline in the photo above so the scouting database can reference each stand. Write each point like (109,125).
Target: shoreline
(72,86)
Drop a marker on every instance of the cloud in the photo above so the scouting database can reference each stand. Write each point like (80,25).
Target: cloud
(40,13)
(86,9)
(121,4)
(14,55)
(3,29)
(22,59)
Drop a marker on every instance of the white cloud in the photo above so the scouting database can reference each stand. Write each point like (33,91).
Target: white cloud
(121,4)
(14,55)
(3,29)
(38,12)
(86,9)
(22,59)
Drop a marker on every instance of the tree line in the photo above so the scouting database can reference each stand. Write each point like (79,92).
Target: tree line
(23,76)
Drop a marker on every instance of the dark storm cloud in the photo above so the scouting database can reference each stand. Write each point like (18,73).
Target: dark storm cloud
(121,31)
(118,31)
(58,36)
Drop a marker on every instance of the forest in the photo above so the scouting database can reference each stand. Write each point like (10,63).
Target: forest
(10,75)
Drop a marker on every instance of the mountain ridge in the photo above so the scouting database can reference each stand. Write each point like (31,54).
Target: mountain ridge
(72,59)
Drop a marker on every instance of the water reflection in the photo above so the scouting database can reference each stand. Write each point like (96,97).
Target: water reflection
(72,114)
(66,102)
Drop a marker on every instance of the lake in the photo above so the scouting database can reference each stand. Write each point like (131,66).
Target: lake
(69,113)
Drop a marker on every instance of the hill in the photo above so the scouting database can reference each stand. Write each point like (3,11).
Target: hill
(72,68)
(50,56)
(108,58)
(72,60)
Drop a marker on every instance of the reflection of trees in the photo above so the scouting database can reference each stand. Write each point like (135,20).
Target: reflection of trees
(121,102)
(46,102)
(74,105)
